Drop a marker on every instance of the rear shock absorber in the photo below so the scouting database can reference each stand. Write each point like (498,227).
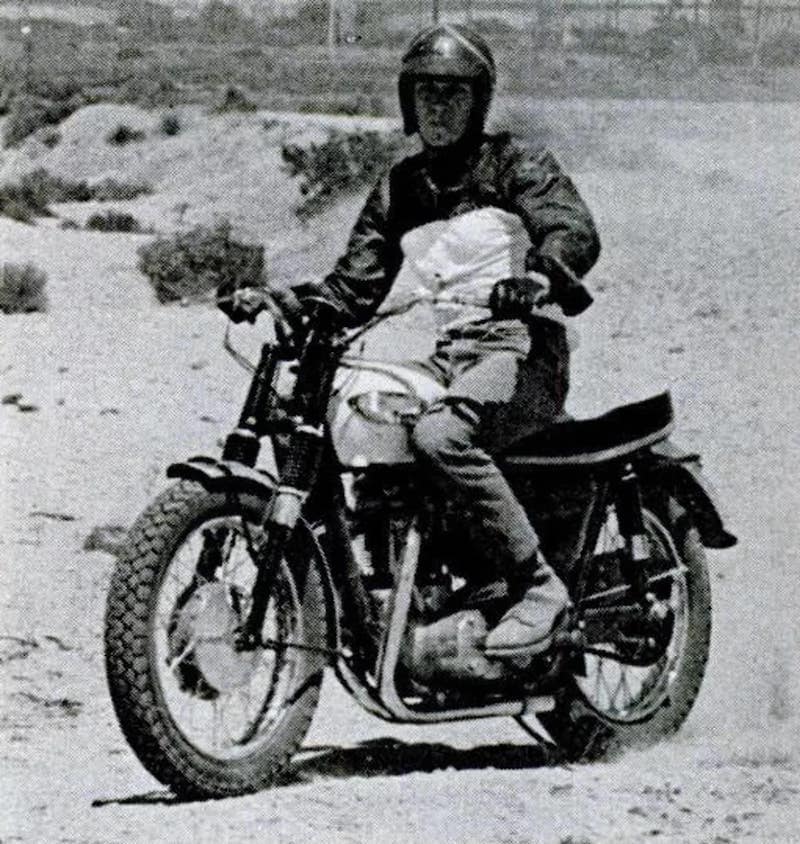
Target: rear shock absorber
(631,523)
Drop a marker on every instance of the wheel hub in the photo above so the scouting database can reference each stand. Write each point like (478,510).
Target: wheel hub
(203,642)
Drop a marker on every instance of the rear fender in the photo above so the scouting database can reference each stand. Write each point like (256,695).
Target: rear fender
(230,476)
(680,473)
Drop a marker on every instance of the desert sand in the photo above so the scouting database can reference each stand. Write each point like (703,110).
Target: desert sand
(697,291)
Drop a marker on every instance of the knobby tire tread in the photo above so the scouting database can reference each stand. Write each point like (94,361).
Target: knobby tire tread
(582,733)
(151,542)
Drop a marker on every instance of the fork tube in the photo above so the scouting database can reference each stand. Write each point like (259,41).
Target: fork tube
(243,443)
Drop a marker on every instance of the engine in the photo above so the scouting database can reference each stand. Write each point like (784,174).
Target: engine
(455,599)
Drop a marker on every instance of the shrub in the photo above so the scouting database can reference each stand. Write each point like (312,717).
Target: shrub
(22,289)
(51,103)
(219,21)
(781,49)
(113,221)
(603,39)
(234,99)
(170,124)
(124,134)
(148,92)
(36,191)
(27,114)
(339,165)
(50,138)
(129,52)
(110,189)
(6,98)
(192,264)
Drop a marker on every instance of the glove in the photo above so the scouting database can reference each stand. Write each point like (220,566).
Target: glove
(515,298)
(242,305)
(567,291)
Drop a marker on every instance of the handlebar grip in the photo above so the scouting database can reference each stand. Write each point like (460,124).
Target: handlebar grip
(575,299)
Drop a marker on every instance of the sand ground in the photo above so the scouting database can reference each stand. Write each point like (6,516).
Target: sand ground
(697,291)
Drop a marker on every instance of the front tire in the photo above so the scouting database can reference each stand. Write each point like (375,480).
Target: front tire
(203,717)
(590,725)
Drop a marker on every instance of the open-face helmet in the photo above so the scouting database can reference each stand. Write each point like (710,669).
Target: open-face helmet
(451,51)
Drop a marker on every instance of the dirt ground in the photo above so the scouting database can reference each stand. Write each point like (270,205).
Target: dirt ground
(696,290)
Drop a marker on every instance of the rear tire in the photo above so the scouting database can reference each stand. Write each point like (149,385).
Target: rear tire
(158,669)
(581,728)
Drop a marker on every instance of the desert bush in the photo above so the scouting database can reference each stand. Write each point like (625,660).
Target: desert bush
(170,124)
(148,92)
(112,190)
(129,52)
(603,39)
(113,221)
(27,114)
(781,49)
(339,165)
(192,264)
(22,289)
(234,98)
(347,104)
(6,98)
(155,21)
(220,21)
(50,137)
(716,47)
(124,134)
(36,191)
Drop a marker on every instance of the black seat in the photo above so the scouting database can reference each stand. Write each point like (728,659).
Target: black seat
(614,434)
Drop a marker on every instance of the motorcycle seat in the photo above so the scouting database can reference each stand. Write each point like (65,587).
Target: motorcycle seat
(615,434)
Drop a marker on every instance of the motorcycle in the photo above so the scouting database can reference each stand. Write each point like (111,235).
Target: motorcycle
(239,584)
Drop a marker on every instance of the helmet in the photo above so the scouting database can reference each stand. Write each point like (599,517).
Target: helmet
(447,50)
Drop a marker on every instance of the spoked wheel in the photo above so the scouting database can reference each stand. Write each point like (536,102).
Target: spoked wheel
(646,685)
(205,716)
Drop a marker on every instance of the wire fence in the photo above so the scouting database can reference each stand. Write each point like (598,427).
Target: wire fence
(753,18)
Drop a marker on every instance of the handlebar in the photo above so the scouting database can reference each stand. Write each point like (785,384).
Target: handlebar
(576,302)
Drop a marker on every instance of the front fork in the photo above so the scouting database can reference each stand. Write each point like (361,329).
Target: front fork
(304,425)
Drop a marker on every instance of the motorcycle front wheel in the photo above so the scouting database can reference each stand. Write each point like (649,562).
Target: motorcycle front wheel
(203,715)
(616,703)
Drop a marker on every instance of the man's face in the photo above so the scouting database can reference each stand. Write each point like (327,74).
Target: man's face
(443,108)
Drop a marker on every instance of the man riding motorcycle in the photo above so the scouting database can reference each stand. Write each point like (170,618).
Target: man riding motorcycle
(506,377)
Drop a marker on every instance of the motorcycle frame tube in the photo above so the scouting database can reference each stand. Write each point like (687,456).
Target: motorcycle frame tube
(382,698)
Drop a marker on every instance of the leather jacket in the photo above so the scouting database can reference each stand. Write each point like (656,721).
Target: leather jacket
(498,171)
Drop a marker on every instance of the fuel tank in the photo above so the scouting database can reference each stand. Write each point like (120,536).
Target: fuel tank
(373,408)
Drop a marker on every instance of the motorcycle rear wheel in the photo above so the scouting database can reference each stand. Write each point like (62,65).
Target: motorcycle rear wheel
(589,721)
(205,718)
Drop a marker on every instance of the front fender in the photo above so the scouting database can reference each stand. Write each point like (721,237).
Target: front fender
(680,473)
(225,476)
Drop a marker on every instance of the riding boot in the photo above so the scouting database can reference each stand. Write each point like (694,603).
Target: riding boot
(527,628)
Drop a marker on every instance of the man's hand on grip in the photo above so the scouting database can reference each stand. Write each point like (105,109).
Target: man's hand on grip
(516,297)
